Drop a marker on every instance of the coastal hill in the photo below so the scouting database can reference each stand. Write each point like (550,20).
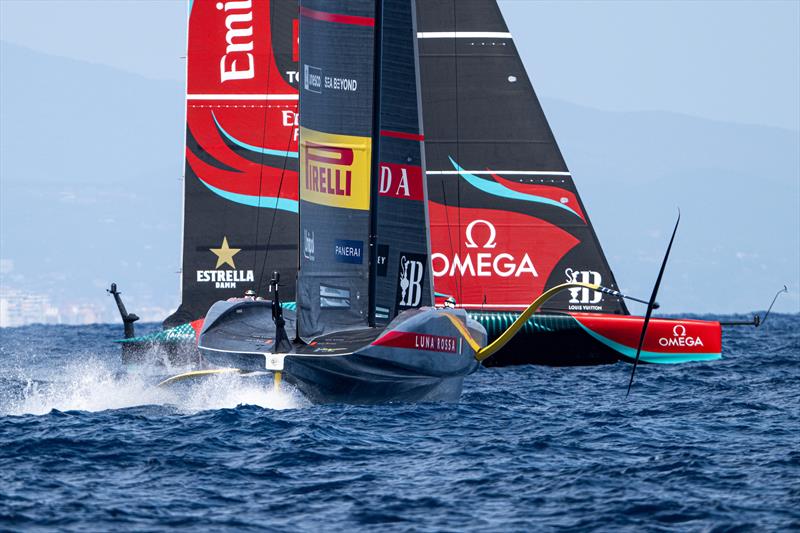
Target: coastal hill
(90,191)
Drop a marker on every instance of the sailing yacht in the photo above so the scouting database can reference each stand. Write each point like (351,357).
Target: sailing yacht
(506,220)
(365,329)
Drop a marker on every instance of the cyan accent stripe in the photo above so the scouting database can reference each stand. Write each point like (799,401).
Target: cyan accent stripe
(497,322)
(182,333)
(663,358)
(497,189)
(250,147)
(268,202)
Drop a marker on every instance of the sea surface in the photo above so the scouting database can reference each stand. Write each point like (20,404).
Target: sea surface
(715,446)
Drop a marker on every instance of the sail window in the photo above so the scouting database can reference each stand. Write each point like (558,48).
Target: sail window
(333,298)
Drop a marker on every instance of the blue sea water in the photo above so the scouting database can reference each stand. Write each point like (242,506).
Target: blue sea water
(696,447)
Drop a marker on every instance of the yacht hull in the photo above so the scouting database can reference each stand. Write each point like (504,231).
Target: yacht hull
(423,355)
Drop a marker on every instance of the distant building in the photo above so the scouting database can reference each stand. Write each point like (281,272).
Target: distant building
(19,308)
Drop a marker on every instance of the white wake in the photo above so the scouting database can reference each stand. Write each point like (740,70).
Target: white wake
(93,385)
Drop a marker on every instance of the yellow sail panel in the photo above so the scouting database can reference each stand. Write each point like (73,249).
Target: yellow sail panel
(335,169)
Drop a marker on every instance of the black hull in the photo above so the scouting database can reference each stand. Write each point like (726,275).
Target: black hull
(550,339)
(554,349)
(352,378)
(423,355)
(571,346)
(364,380)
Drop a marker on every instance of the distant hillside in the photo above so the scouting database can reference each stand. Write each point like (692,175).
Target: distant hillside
(90,160)
(738,188)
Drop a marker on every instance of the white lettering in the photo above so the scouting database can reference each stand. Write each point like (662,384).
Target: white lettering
(679,339)
(507,269)
(290,118)
(225,279)
(434,343)
(462,266)
(526,266)
(341,84)
(239,38)
(503,265)
(583,295)
(348,251)
(484,264)
(403,183)
(386,180)
(492,234)
(682,342)
(411,273)
(234,73)
(445,262)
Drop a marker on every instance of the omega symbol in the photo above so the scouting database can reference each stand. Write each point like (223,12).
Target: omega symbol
(490,242)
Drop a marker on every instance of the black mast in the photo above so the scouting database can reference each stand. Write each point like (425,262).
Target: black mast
(375,166)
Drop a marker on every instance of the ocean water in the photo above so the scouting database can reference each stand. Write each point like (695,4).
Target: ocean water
(696,447)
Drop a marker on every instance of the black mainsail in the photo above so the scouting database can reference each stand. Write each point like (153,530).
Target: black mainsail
(241,167)
(336,130)
(402,263)
(507,222)
(506,219)
(364,329)
(362,194)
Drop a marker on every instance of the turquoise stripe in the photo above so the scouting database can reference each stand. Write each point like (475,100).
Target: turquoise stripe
(268,202)
(497,322)
(184,332)
(651,357)
(497,189)
(257,149)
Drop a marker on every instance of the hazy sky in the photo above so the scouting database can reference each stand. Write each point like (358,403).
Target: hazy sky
(735,62)
(727,60)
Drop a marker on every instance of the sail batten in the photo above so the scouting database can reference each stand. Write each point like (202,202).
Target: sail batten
(493,172)
(463,35)
(233,96)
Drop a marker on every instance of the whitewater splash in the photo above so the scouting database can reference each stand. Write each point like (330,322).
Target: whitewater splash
(93,385)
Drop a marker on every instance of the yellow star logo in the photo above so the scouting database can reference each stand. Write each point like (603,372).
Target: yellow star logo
(225,254)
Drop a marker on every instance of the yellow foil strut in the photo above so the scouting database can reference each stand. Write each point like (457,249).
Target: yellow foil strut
(277,382)
(464,332)
(198,373)
(514,328)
